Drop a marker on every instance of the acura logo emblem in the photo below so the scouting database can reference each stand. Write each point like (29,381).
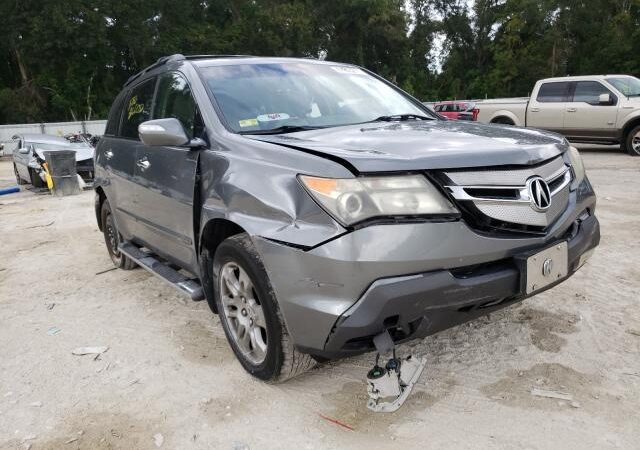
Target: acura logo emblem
(539,194)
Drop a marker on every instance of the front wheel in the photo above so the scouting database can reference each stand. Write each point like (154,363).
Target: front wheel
(250,315)
(632,142)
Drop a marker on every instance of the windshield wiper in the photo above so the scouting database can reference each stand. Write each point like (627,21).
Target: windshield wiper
(283,129)
(401,118)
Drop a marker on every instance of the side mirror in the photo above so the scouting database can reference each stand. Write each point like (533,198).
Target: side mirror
(605,99)
(163,132)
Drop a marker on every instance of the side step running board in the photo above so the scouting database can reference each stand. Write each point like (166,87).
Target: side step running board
(148,261)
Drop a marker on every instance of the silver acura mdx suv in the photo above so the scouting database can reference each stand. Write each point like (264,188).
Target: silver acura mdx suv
(315,205)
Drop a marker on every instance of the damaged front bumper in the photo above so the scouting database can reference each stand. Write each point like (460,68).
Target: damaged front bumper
(413,279)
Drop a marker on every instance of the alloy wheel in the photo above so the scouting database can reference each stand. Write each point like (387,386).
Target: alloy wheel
(635,142)
(243,312)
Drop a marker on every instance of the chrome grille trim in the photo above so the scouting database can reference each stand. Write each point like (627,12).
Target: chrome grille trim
(510,177)
(515,208)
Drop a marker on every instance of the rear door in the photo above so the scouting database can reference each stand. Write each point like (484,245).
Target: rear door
(547,110)
(166,178)
(586,117)
(117,154)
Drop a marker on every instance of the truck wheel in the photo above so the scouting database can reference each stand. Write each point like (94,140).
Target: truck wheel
(250,314)
(36,181)
(503,121)
(632,141)
(112,239)
(19,179)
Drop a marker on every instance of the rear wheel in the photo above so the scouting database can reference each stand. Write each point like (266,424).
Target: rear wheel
(503,121)
(632,141)
(112,239)
(19,179)
(250,315)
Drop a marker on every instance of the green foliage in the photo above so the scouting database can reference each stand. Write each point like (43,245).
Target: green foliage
(66,59)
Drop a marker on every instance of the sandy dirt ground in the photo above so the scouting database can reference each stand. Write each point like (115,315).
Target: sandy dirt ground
(170,380)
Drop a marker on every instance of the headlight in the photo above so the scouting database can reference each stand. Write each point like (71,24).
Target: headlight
(352,200)
(577,166)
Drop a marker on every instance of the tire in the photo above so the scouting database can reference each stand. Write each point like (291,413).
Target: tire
(36,181)
(112,238)
(250,315)
(632,141)
(19,179)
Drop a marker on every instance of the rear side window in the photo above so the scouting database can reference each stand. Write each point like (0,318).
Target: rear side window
(114,117)
(175,100)
(137,108)
(553,92)
(589,92)
(438,108)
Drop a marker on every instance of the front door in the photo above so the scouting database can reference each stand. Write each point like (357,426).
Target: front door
(586,117)
(166,178)
(547,109)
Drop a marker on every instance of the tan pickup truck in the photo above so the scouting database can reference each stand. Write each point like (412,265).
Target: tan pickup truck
(602,109)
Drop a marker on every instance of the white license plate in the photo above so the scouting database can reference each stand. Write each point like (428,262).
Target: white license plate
(547,267)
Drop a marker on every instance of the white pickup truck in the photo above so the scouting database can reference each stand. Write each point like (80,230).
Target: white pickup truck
(601,109)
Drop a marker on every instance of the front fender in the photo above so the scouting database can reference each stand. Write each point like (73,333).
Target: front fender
(264,197)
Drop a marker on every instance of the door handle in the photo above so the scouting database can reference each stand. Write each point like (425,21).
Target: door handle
(571,109)
(143,164)
(535,109)
(108,154)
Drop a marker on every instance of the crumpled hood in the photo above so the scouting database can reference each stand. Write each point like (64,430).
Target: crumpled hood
(420,145)
(82,153)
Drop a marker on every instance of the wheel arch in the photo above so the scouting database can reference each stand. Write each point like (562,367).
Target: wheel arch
(504,117)
(630,125)
(214,232)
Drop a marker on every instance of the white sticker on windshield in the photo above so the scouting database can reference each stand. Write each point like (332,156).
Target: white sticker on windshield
(348,70)
(273,116)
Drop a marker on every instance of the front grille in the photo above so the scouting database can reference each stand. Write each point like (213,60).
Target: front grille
(500,198)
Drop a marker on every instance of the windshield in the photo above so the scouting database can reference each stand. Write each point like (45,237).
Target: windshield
(258,97)
(629,86)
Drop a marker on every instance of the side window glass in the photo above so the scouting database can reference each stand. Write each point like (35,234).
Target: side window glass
(137,108)
(589,92)
(553,92)
(114,118)
(175,100)
(438,108)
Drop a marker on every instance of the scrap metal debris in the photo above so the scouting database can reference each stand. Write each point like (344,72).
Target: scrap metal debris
(337,422)
(53,331)
(106,270)
(41,226)
(551,394)
(80,351)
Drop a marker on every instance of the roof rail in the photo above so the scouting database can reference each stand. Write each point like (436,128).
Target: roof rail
(189,57)
(178,57)
(159,62)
